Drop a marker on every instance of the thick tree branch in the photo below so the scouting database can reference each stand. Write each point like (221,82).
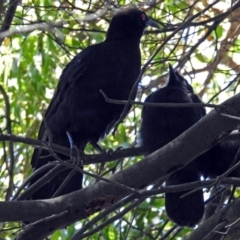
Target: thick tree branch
(150,169)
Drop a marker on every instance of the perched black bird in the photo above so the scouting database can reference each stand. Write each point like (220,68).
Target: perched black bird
(160,126)
(78,110)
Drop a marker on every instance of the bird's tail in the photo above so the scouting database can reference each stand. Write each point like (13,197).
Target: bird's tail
(66,181)
(184,210)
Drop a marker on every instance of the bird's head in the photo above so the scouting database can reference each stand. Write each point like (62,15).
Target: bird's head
(185,82)
(176,79)
(129,23)
(173,78)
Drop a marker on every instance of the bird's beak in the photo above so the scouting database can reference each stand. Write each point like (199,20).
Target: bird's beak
(172,78)
(152,23)
(171,71)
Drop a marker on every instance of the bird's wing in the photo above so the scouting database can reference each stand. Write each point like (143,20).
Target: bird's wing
(196,99)
(74,69)
(95,68)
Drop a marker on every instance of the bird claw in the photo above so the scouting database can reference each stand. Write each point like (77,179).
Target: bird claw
(119,148)
(77,156)
(109,152)
(104,151)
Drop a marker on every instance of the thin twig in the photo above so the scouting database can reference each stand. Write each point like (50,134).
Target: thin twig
(171,105)
(78,235)
(89,158)
(210,235)
(10,144)
(230,116)
(52,217)
(31,177)
(40,182)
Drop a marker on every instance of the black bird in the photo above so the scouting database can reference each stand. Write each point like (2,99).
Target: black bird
(78,110)
(160,126)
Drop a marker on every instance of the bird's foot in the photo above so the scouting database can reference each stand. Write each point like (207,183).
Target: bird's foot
(111,151)
(118,149)
(77,156)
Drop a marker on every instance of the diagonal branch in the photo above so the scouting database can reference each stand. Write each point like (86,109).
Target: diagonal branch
(139,175)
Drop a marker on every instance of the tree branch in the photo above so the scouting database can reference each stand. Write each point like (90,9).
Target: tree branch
(12,6)
(10,144)
(220,221)
(168,105)
(150,169)
(88,158)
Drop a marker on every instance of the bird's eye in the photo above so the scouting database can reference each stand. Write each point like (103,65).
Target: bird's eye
(143,17)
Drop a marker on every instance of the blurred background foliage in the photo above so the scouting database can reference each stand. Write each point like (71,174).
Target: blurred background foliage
(199,38)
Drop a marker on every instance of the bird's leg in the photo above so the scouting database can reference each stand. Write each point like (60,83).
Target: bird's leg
(111,151)
(77,160)
(75,153)
(100,150)
(97,147)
